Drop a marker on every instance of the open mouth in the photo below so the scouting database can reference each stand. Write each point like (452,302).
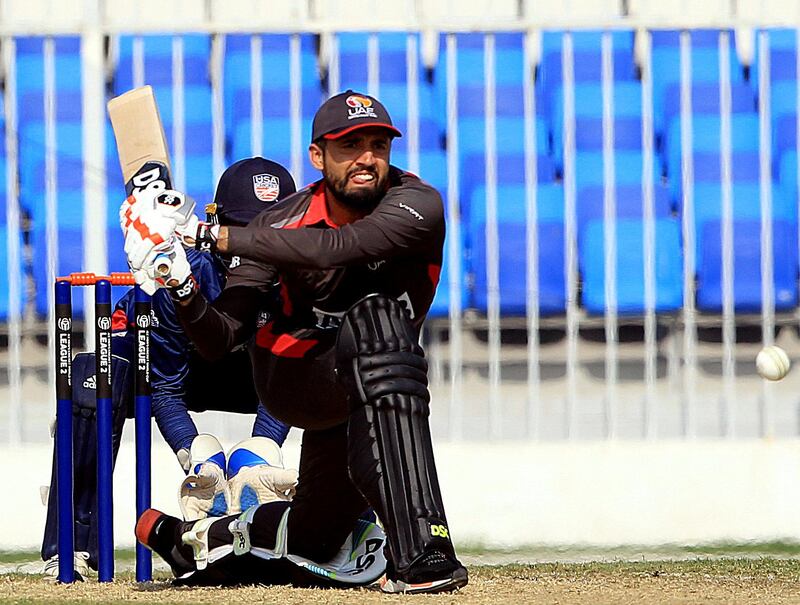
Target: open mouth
(363,178)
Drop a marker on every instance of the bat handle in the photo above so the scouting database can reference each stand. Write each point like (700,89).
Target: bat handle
(163,265)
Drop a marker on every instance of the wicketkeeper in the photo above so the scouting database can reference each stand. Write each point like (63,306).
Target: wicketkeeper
(216,484)
(357,257)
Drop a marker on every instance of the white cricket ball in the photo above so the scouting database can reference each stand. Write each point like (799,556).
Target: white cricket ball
(772,363)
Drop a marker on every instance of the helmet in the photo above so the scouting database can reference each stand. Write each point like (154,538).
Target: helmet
(248,187)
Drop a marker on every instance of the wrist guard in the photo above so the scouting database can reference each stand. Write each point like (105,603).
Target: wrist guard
(184,290)
(206,238)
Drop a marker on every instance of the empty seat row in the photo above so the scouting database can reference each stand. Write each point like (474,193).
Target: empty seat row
(281,77)
(622,243)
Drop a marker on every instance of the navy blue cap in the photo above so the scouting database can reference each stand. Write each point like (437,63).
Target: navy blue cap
(248,187)
(348,111)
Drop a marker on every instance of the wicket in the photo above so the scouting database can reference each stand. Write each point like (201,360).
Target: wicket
(64,441)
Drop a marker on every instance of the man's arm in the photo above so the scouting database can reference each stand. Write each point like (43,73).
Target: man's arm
(409,219)
(216,328)
(170,368)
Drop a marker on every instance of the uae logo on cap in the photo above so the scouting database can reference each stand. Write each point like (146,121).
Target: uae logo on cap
(266,187)
(360,107)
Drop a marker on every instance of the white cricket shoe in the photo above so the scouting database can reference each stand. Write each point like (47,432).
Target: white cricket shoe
(50,569)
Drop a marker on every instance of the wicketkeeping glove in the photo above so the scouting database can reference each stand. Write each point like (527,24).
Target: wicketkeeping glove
(256,474)
(204,494)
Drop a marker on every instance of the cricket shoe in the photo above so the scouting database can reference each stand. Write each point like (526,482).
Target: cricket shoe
(50,569)
(431,572)
(162,534)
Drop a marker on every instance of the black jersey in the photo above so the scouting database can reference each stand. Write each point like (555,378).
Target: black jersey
(324,268)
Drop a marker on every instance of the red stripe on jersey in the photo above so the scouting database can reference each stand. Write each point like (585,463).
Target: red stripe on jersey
(434,272)
(119,321)
(286,307)
(317,212)
(283,345)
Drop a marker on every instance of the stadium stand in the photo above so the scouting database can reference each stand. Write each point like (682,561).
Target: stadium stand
(630,266)
(276,94)
(513,258)
(747,277)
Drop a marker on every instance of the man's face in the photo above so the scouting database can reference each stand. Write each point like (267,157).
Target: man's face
(355,166)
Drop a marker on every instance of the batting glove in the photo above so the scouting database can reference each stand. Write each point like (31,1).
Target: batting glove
(172,270)
(145,282)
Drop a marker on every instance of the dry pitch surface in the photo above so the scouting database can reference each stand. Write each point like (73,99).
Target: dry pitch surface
(702,581)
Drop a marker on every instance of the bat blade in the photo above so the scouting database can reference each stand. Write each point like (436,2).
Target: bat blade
(141,143)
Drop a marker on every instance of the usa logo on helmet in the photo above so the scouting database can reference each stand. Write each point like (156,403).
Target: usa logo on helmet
(266,187)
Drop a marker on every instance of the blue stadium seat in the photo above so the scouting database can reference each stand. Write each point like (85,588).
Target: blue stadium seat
(746,203)
(627,100)
(706,138)
(589,137)
(69,158)
(745,168)
(470,59)
(276,69)
(158,61)
(586,40)
(784,135)
(197,102)
(747,279)
(354,61)
(30,64)
(788,174)
(783,99)
(276,144)
(511,202)
(510,170)
(589,203)
(511,216)
(783,75)
(513,269)
(587,68)
(704,65)
(393,88)
(432,166)
(509,131)
(275,96)
(782,64)
(701,38)
(440,307)
(705,99)
(630,267)
(30,91)
(628,168)
(4,270)
(69,161)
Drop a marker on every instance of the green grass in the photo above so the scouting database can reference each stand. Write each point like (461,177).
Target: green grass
(8,557)
(556,553)
(576,551)
(701,580)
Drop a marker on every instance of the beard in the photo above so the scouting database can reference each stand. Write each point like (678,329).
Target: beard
(359,197)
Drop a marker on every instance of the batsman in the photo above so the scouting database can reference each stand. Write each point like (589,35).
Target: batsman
(357,255)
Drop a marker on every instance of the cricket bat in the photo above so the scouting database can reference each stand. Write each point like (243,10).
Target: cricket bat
(141,145)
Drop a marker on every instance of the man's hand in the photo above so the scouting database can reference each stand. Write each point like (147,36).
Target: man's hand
(260,484)
(256,474)
(204,494)
(149,221)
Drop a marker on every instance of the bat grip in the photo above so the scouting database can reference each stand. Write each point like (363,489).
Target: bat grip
(163,265)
